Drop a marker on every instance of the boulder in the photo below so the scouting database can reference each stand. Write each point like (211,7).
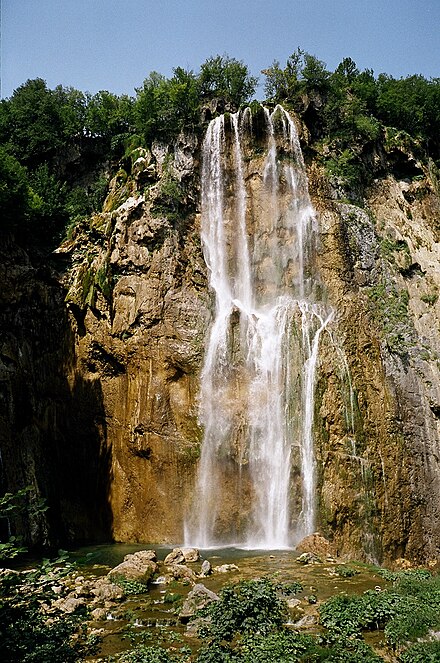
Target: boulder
(317,545)
(308,558)
(182,555)
(226,568)
(69,604)
(206,568)
(181,572)
(197,599)
(105,591)
(139,567)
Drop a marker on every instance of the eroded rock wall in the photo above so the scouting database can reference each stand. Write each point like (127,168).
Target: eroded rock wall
(101,358)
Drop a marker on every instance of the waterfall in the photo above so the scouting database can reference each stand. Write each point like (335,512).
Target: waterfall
(256,477)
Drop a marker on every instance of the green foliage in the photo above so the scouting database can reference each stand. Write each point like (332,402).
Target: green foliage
(281,646)
(11,505)
(144,654)
(422,652)
(15,199)
(344,166)
(291,588)
(131,587)
(246,607)
(228,78)
(32,628)
(390,308)
(430,298)
(345,571)
(164,107)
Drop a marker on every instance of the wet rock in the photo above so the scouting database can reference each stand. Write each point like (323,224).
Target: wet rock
(309,558)
(293,603)
(139,567)
(194,625)
(181,572)
(316,545)
(99,614)
(69,604)
(182,555)
(105,591)
(198,598)
(306,621)
(206,568)
(226,568)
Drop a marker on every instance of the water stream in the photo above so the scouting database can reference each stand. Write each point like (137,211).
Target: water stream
(256,479)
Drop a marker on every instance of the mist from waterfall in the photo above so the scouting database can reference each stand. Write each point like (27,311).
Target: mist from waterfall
(256,479)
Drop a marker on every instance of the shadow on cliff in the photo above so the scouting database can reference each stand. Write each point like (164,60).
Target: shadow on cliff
(53,433)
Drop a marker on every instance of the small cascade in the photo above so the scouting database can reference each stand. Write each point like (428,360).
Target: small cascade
(257,478)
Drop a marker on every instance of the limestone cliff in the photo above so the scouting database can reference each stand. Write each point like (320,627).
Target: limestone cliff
(101,356)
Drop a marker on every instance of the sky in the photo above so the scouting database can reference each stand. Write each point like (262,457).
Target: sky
(113,45)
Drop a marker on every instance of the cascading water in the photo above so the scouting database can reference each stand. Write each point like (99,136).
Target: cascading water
(256,476)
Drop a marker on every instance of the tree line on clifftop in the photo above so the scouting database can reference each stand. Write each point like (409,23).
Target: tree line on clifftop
(58,147)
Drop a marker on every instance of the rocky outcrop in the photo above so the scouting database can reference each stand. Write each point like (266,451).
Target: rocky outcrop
(138,567)
(101,352)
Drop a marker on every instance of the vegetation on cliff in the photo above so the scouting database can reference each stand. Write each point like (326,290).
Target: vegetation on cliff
(59,147)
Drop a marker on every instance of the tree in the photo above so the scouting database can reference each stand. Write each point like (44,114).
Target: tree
(228,78)
(14,191)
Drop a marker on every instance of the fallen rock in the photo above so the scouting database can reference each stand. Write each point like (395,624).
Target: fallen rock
(181,572)
(198,598)
(308,558)
(182,555)
(139,566)
(105,591)
(69,604)
(226,568)
(99,614)
(317,545)
(206,568)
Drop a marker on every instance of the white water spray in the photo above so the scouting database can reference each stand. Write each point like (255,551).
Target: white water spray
(257,383)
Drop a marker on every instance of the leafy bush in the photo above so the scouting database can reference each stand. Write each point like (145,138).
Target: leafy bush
(422,652)
(32,628)
(246,607)
(345,571)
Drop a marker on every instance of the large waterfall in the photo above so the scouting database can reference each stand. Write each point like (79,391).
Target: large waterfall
(256,478)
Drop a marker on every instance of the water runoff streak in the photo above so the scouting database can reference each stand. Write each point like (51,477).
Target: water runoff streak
(256,477)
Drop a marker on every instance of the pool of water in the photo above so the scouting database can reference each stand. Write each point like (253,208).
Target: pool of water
(153,616)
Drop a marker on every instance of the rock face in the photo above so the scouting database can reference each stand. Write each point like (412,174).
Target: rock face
(101,354)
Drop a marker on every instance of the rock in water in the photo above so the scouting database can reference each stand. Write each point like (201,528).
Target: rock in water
(206,568)
(139,567)
(197,599)
(182,556)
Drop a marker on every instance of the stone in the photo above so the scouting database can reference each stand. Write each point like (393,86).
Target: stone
(99,614)
(181,555)
(226,568)
(176,556)
(181,572)
(69,604)
(104,591)
(293,603)
(315,544)
(308,558)
(198,598)
(206,568)
(138,567)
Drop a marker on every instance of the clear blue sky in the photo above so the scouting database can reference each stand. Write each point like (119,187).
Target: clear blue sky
(114,44)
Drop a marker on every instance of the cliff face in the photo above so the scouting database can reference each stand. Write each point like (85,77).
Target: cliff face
(380,486)
(100,385)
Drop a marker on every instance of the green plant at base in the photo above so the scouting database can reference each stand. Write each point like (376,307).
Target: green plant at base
(32,628)
(131,586)
(246,607)
(345,571)
(422,652)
